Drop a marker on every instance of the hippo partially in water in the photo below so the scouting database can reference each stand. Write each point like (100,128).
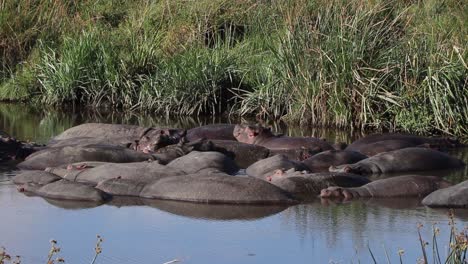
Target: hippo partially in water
(322,161)
(262,136)
(213,131)
(402,160)
(452,197)
(400,186)
(310,184)
(267,167)
(398,141)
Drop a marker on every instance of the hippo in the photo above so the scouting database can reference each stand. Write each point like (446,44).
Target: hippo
(136,171)
(400,186)
(197,161)
(322,161)
(298,154)
(145,139)
(375,148)
(402,160)
(451,197)
(243,154)
(38,177)
(305,184)
(66,190)
(55,157)
(172,152)
(121,187)
(219,188)
(262,136)
(213,131)
(266,167)
(397,141)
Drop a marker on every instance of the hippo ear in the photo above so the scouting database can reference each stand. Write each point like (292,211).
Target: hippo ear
(347,169)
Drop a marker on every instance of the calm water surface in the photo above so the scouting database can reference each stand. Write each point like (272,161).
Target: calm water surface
(152,231)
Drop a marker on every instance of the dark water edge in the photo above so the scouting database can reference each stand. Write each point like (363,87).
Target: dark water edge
(154,231)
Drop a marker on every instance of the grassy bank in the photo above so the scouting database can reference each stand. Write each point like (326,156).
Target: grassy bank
(365,64)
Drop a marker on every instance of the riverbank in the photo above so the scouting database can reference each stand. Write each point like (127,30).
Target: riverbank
(398,65)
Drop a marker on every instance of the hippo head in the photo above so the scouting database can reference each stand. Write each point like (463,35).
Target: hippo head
(277,174)
(336,192)
(351,168)
(158,138)
(251,133)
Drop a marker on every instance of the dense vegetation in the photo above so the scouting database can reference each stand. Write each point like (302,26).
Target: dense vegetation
(367,64)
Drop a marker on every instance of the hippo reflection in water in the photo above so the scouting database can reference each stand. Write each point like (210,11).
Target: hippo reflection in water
(163,164)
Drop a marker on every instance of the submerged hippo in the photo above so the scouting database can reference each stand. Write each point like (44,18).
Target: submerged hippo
(243,154)
(55,157)
(306,184)
(451,197)
(400,139)
(407,159)
(214,131)
(375,148)
(217,188)
(408,185)
(262,136)
(266,167)
(323,160)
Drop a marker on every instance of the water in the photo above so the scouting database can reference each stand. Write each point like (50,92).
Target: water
(152,231)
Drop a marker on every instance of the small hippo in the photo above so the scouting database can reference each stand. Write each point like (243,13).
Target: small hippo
(213,131)
(322,161)
(307,184)
(402,160)
(451,197)
(400,186)
(262,136)
(66,190)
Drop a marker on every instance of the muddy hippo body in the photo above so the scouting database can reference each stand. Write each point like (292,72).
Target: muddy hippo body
(172,152)
(67,190)
(299,154)
(83,141)
(452,197)
(101,130)
(261,136)
(322,161)
(400,186)
(243,154)
(214,131)
(310,184)
(267,167)
(55,157)
(138,171)
(217,188)
(402,160)
(400,140)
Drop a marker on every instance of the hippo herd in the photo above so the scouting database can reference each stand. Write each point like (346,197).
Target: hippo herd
(232,164)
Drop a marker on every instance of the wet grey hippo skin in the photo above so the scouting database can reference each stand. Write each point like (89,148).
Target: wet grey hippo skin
(267,167)
(323,160)
(243,154)
(375,148)
(217,188)
(157,138)
(55,157)
(261,136)
(101,130)
(66,190)
(197,161)
(172,152)
(136,171)
(121,187)
(402,160)
(299,154)
(310,184)
(408,185)
(214,131)
(397,139)
(38,177)
(451,197)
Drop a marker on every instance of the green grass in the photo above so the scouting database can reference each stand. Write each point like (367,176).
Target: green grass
(398,65)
